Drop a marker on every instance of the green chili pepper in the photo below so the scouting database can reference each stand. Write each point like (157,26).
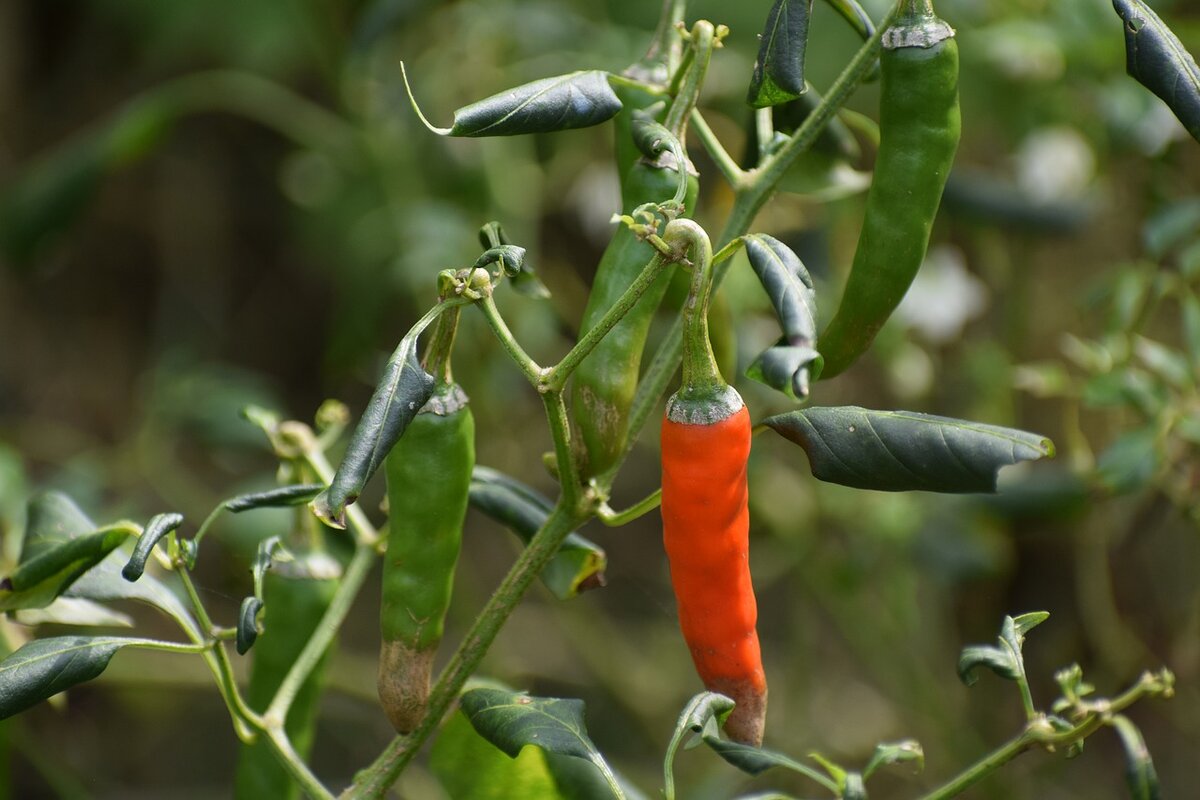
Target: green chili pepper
(919,128)
(428,477)
(605,382)
(296,595)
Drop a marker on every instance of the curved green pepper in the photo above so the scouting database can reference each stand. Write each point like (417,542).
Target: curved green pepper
(605,382)
(428,479)
(296,595)
(919,128)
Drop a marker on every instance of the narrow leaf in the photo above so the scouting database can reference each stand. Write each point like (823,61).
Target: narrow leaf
(510,257)
(705,711)
(903,450)
(54,517)
(575,100)
(854,14)
(1156,58)
(55,553)
(779,69)
(403,390)
(511,721)
(274,498)
(247,627)
(74,611)
(757,760)
(1140,774)
(787,283)
(1024,623)
(982,655)
(44,667)
(491,774)
(158,527)
(907,751)
(578,565)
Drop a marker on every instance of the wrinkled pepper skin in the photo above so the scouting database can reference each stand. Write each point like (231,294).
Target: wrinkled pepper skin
(919,126)
(605,382)
(428,483)
(706,525)
(296,596)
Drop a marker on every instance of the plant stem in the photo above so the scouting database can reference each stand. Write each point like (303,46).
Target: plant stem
(1039,733)
(356,573)
(615,519)
(560,432)
(556,377)
(729,168)
(218,662)
(532,371)
(376,779)
(312,786)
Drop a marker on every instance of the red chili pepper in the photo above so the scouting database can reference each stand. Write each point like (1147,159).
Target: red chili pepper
(706,519)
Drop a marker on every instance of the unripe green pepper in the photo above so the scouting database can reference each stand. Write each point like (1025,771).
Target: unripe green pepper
(429,480)
(605,382)
(919,127)
(296,595)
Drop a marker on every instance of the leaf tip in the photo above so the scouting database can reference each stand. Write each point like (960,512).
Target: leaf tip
(333,515)
(412,101)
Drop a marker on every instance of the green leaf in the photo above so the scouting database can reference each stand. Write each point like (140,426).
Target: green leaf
(578,565)
(525,282)
(1156,58)
(575,100)
(779,69)
(790,288)
(44,667)
(757,760)
(404,388)
(512,720)
(902,752)
(1166,363)
(74,611)
(159,526)
(1024,623)
(54,517)
(854,14)
(55,553)
(510,257)
(903,450)
(999,661)
(706,711)
(835,771)
(1139,767)
(470,768)
(247,627)
(274,498)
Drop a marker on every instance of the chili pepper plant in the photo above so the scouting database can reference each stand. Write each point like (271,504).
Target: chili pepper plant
(665,264)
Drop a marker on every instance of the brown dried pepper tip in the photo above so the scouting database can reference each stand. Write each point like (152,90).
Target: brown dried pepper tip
(705,511)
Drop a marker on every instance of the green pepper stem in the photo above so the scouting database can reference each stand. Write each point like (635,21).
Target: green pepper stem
(436,360)
(615,519)
(557,376)
(728,168)
(523,360)
(700,371)
(702,44)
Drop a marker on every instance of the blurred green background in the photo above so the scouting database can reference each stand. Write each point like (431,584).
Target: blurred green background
(209,204)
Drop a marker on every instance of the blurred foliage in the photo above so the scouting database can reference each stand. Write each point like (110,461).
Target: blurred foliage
(209,204)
